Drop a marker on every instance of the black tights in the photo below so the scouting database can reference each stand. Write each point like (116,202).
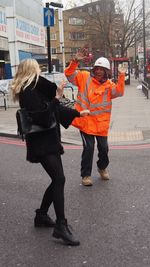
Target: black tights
(55,191)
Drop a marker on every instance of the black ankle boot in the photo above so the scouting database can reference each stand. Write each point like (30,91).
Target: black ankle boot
(61,230)
(43,220)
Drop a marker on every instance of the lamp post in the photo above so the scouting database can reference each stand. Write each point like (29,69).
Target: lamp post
(135,36)
(12,39)
(48,45)
(61,36)
(144,42)
(48,35)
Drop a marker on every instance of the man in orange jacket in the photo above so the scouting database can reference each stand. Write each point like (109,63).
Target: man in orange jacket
(95,92)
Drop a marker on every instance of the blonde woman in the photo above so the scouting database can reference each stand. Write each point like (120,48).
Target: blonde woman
(32,91)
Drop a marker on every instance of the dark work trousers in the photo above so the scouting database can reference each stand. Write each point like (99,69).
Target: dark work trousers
(88,152)
(55,191)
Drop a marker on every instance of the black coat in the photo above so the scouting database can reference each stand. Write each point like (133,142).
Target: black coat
(33,98)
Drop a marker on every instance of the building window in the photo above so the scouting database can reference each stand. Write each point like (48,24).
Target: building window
(74,50)
(53,51)
(97,8)
(90,10)
(53,36)
(77,36)
(117,20)
(76,21)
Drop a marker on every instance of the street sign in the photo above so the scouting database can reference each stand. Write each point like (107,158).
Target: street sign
(48,17)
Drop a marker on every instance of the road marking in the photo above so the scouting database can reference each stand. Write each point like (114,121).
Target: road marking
(17,142)
(11,141)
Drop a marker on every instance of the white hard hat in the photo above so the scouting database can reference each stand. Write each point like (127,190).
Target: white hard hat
(102,62)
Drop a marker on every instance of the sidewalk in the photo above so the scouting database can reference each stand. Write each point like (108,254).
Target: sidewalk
(130,120)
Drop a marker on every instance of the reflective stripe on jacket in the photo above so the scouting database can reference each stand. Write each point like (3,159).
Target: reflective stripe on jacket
(93,96)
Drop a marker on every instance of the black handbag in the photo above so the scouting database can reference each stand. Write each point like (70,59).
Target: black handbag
(34,122)
(44,117)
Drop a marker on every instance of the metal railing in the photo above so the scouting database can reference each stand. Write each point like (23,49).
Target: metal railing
(4,99)
(146,89)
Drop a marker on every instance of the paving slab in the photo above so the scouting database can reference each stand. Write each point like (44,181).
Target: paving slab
(130,120)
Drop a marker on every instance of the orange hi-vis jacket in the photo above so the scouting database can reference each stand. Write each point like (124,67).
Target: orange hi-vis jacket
(94,96)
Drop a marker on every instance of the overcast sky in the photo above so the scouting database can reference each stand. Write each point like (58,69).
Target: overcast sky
(79,2)
(64,2)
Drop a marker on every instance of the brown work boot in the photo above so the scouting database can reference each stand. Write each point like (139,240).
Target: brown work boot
(87,181)
(104,174)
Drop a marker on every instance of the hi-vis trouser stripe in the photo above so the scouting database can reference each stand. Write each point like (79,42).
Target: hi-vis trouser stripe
(71,78)
(93,107)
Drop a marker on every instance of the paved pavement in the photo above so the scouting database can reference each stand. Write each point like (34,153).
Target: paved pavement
(110,219)
(130,120)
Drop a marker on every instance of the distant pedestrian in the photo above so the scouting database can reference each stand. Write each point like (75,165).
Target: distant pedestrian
(136,71)
(33,91)
(131,67)
(95,92)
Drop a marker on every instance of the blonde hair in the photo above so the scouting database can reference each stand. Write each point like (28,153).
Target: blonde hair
(28,71)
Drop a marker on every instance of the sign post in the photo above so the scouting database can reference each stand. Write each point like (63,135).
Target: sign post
(48,22)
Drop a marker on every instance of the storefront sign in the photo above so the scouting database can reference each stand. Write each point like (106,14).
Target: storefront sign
(26,31)
(3,28)
(29,32)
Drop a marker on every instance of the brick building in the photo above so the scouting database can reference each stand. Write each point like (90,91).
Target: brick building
(82,26)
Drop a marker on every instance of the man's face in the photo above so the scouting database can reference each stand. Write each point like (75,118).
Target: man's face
(99,73)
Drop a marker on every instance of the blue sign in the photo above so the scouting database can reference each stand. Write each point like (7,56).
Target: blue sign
(48,17)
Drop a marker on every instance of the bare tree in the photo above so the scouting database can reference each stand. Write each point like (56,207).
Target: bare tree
(70,4)
(114,29)
(132,29)
(75,3)
(100,17)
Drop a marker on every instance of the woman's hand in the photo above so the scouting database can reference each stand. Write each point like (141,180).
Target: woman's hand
(84,112)
(60,90)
